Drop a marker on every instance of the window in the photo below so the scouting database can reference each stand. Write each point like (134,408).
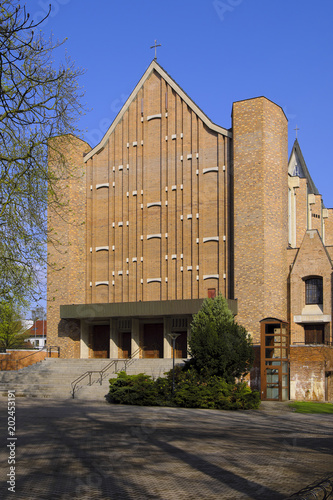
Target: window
(314,291)
(211,293)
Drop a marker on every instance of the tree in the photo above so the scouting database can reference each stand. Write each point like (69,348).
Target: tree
(218,345)
(37,101)
(11,335)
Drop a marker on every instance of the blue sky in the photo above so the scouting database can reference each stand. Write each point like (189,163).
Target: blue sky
(217,51)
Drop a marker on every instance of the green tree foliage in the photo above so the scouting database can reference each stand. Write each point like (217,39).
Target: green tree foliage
(11,335)
(218,345)
(37,101)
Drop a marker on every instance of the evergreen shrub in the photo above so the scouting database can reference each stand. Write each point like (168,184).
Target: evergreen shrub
(133,390)
(192,390)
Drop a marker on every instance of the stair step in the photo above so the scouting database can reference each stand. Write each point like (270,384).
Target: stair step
(52,377)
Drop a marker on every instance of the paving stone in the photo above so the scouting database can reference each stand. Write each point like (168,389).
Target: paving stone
(78,449)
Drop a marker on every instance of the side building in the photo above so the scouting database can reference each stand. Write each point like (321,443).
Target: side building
(170,209)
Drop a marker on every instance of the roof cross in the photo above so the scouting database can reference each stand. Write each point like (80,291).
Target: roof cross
(297,129)
(155,47)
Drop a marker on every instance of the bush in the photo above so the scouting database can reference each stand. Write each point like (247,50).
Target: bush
(192,390)
(195,391)
(133,390)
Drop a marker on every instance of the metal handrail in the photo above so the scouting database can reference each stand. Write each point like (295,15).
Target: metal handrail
(47,348)
(90,372)
(101,372)
(131,357)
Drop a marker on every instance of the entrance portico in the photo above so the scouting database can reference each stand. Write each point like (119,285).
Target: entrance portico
(137,338)
(138,330)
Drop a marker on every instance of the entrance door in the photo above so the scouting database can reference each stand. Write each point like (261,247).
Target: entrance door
(276,382)
(153,340)
(181,345)
(101,341)
(274,360)
(126,344)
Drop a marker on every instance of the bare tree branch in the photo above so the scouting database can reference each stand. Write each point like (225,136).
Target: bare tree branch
(37,101)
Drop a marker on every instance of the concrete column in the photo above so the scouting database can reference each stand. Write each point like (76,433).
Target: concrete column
(84,339)
(113,339)
(135,337)
(167,343)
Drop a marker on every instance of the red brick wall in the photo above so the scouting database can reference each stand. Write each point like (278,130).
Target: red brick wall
(21,358)
(163,161)
(260,211)
(66,255)
(307,372)
(159,161)
(311,260)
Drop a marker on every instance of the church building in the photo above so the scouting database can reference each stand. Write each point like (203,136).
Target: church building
(170,208)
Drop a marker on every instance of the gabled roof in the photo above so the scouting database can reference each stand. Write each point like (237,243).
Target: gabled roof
(314,236)
(154,66)
(297,167)
(37,329)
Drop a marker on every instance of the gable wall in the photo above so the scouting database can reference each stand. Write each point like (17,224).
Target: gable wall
(311,260)
(160,204)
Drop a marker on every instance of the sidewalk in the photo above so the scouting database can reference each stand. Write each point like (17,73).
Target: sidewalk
(93,450)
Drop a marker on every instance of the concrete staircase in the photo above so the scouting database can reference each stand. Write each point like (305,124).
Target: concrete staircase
(52,377)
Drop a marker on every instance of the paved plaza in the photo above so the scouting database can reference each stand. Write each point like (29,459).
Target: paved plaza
(92,450)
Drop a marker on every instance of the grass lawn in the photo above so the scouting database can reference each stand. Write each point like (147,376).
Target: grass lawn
(310,407)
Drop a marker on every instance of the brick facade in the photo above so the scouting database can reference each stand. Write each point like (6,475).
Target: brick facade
(161,183)
(170,208)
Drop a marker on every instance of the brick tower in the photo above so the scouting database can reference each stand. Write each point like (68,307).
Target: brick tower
(260,145)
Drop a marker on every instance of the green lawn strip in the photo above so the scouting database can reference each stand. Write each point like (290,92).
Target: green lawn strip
(311,407)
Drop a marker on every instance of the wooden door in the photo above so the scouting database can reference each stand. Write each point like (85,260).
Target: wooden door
(101,341)
(314,334)
(153,340)
(274,360)
(126,344)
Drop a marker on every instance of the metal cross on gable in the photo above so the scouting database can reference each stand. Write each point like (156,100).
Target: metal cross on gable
(155,47)
(297,129)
